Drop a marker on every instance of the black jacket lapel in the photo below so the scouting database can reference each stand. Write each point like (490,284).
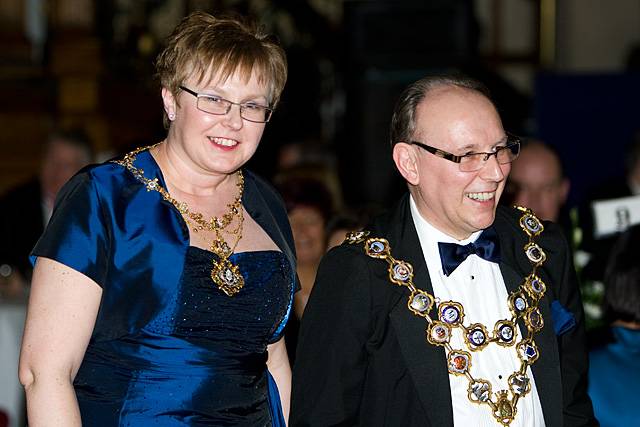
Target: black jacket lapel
(515,267)
(425,363)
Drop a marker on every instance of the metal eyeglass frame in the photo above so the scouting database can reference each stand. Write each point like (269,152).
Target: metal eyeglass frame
(268,110)
(513,142)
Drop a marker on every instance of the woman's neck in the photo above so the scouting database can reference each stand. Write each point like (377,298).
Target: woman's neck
(186,179)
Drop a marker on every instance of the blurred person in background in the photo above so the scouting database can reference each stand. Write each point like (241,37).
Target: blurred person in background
(347,220)
(595,216)
(537,181)
(340,224)
(309,205)
(599,246)
(164,280)
(25,210)
(614,371)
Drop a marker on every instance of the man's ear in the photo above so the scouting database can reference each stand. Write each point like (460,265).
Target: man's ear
(406,160)
(169,103)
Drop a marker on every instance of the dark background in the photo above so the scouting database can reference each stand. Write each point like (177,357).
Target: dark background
(92,66)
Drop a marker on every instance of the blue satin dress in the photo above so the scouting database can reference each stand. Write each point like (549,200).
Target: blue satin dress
(168,347)
(210,370)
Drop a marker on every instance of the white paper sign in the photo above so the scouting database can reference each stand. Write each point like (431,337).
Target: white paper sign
(615,215)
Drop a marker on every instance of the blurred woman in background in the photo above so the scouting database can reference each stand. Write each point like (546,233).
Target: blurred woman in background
(309,205)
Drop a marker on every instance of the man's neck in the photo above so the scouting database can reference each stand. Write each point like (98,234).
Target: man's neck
(434,230)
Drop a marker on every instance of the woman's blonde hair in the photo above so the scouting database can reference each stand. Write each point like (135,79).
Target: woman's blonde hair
(202,46)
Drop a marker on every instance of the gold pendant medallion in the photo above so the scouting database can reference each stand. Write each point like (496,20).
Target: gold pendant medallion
(224,274)
(505,409)
(227,276)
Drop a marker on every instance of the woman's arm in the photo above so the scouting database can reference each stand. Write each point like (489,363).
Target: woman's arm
(278,365)
(62,311)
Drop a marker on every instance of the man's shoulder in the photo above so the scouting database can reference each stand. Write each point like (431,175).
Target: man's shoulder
(350,248)
(509,215)
(351,256)
(346,273)
(509,218)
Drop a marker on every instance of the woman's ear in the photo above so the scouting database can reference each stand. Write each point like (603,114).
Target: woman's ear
(169,102)
(404,156)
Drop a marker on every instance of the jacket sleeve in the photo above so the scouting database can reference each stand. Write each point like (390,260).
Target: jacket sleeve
(331,362)
(574,363)
(78,234)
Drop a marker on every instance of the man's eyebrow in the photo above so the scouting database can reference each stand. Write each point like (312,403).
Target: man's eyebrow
(475,148)
(469,147)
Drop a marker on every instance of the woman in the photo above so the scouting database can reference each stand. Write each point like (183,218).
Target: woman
(309,205)
(164,280)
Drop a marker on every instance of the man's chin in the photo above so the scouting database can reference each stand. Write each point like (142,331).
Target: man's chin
(482,222)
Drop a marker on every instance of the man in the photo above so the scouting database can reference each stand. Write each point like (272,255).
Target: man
(537,181)
(25,210)
(382,342)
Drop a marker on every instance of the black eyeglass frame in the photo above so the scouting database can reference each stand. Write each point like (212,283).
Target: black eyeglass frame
(512,141)
(242,105)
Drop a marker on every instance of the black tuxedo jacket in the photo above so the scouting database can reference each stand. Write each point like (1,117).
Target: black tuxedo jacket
(363,358)
(21,224)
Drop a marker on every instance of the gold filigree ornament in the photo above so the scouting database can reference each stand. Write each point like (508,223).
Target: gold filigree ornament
(505,408)
(224,273)
(420,303)
(451,312)
(522,303)
(401,272)
(356,236)
(476,337)
(438,333)
(479,391)
(519,384)
(530,223)
(227,276)
(377,248)
(506,333)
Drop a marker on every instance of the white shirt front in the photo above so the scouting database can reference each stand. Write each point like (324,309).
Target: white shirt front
(477,285)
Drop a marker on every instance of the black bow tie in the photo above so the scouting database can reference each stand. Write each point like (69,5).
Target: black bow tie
(486,247)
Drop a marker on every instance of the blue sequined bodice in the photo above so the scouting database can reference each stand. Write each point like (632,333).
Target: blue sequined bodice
(211,369)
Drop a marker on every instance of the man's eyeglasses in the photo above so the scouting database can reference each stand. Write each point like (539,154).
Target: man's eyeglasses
(213,104)
(475,161)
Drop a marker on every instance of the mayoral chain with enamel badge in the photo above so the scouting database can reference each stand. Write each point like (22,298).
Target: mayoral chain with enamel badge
(523,304)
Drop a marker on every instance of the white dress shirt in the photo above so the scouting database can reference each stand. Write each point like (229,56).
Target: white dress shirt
(477,285)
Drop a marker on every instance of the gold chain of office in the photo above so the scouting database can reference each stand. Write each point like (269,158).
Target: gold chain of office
(523,304)
(224,273)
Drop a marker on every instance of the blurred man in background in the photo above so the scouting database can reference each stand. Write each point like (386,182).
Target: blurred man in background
(26,209)
(537,181)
